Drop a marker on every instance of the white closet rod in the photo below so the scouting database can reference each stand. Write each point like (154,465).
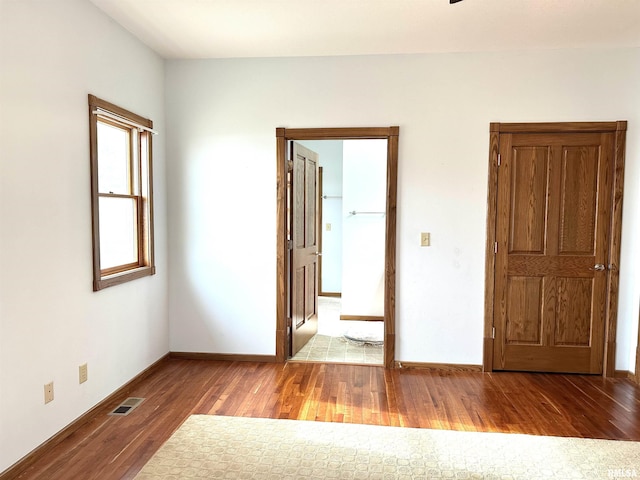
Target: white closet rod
(353,212)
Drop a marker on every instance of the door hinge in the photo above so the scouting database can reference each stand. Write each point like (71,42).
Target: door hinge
(290,244)
(499,159)
(290,165)
(493,332)
(495,247)
(289,322)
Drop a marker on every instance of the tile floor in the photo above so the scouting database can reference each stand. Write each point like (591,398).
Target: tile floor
(329,345)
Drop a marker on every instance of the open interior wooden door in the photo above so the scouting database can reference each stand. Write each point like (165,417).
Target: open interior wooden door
(553,250)
(304,242)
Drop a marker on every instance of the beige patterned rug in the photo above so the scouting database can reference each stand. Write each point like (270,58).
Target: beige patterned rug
(256,448)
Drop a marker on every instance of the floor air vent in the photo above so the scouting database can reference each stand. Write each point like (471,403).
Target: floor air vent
(125,407)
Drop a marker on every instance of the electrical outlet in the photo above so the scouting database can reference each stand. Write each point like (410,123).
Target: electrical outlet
(83,374)
(48,392)
(425,239)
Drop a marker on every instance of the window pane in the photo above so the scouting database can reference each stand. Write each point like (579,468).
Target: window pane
(114,165)
(118,232)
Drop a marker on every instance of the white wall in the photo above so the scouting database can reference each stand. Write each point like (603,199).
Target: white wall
(222,116)
(363,240)
(52,54)
(330,153)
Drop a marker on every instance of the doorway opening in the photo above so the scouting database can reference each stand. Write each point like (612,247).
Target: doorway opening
(351,203)
(300,224)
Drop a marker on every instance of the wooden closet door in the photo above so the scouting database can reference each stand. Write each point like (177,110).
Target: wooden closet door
(552,231)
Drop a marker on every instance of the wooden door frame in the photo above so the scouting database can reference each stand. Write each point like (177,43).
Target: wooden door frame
(391,135)
(637,370)
(611,313)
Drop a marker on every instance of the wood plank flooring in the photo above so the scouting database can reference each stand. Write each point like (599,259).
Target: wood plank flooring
(108,447)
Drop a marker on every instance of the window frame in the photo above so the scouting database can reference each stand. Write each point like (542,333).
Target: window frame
(142,193)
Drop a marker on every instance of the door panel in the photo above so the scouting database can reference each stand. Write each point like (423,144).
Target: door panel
(298,204)
(310,215)
(524,315)
(310,291)
(580,167)
(552,228)
(304,258)
(298,296)
(529,200)
(573,318)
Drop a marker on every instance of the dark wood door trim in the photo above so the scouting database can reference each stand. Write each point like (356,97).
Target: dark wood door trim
(557,127)
(282,136)
(637,371)
(611,314)
(490,260)
(611,324)
(636,375)
(282,257)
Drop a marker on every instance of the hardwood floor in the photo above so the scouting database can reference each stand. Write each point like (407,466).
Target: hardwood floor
(109,447)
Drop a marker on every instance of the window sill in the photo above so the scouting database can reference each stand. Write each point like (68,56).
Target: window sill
(122,277)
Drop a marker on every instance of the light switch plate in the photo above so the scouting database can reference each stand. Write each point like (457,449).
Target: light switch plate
(48,392)
(83,374)
(425,239)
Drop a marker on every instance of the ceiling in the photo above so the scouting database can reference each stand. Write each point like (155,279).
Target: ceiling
(273,28)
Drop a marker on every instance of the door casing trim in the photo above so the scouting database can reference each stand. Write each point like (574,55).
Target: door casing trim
(611,314)
(391,135)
